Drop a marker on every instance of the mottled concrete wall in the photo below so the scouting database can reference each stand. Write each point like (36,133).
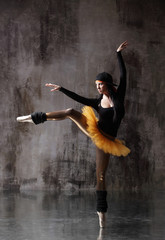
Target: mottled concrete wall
(69,42)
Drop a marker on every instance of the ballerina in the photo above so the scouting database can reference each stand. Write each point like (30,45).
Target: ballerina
(102,131)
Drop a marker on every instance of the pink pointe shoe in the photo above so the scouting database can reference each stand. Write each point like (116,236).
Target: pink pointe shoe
(36,118)
(101,219)
(25,119)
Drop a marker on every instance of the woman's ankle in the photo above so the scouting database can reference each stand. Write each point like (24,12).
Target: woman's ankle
(38,117)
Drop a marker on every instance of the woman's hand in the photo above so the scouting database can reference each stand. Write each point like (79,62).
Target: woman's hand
(53,86)
(122,46)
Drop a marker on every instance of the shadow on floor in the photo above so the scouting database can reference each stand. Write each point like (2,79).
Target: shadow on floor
(52,216)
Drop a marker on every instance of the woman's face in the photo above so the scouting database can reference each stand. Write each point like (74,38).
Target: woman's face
(101,87)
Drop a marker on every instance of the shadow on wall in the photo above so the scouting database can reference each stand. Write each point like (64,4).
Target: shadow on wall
(135,171)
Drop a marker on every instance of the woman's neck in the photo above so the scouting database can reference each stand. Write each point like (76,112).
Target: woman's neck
(107,100)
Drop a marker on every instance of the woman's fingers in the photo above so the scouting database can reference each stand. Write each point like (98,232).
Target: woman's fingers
(122,46)
(49,85)
(125,42)
(53,89)
(53,86)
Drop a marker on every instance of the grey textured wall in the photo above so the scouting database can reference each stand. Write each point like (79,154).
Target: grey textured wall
(68,43)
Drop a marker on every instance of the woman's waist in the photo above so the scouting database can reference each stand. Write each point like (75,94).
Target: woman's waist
(109,132)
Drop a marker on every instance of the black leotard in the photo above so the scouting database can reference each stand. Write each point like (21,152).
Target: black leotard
(107,122)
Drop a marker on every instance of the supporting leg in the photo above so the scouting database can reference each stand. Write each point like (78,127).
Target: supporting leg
(102,161)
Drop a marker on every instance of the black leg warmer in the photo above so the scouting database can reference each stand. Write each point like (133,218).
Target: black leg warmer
(101,201)
(38,117)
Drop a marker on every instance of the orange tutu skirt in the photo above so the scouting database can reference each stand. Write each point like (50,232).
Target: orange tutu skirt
(110,145)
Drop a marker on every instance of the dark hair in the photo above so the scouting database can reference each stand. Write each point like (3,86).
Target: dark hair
(105,77)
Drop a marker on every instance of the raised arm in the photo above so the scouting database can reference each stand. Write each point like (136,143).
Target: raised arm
(86,101)
(122,85)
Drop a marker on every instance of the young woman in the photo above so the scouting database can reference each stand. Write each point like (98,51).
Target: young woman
(102,131)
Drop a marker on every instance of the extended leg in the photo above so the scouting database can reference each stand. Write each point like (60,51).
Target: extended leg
(102,161)
(40,117)
(78,118)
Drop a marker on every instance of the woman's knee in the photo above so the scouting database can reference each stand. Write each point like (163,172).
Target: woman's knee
(70,111)
(101,176)
(101,181)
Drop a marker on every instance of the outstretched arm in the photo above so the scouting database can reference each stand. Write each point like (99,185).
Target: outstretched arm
(122,85)
(86,101)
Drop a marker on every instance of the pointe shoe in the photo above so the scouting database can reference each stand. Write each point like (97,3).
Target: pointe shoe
(101,219)
(25,119)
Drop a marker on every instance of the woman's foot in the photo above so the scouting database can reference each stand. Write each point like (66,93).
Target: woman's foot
(36,117)
(101,219)
(27,118)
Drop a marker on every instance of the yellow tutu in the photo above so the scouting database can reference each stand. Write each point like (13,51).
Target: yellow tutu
(113,146)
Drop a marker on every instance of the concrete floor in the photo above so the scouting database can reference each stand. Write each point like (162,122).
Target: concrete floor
(52,216)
